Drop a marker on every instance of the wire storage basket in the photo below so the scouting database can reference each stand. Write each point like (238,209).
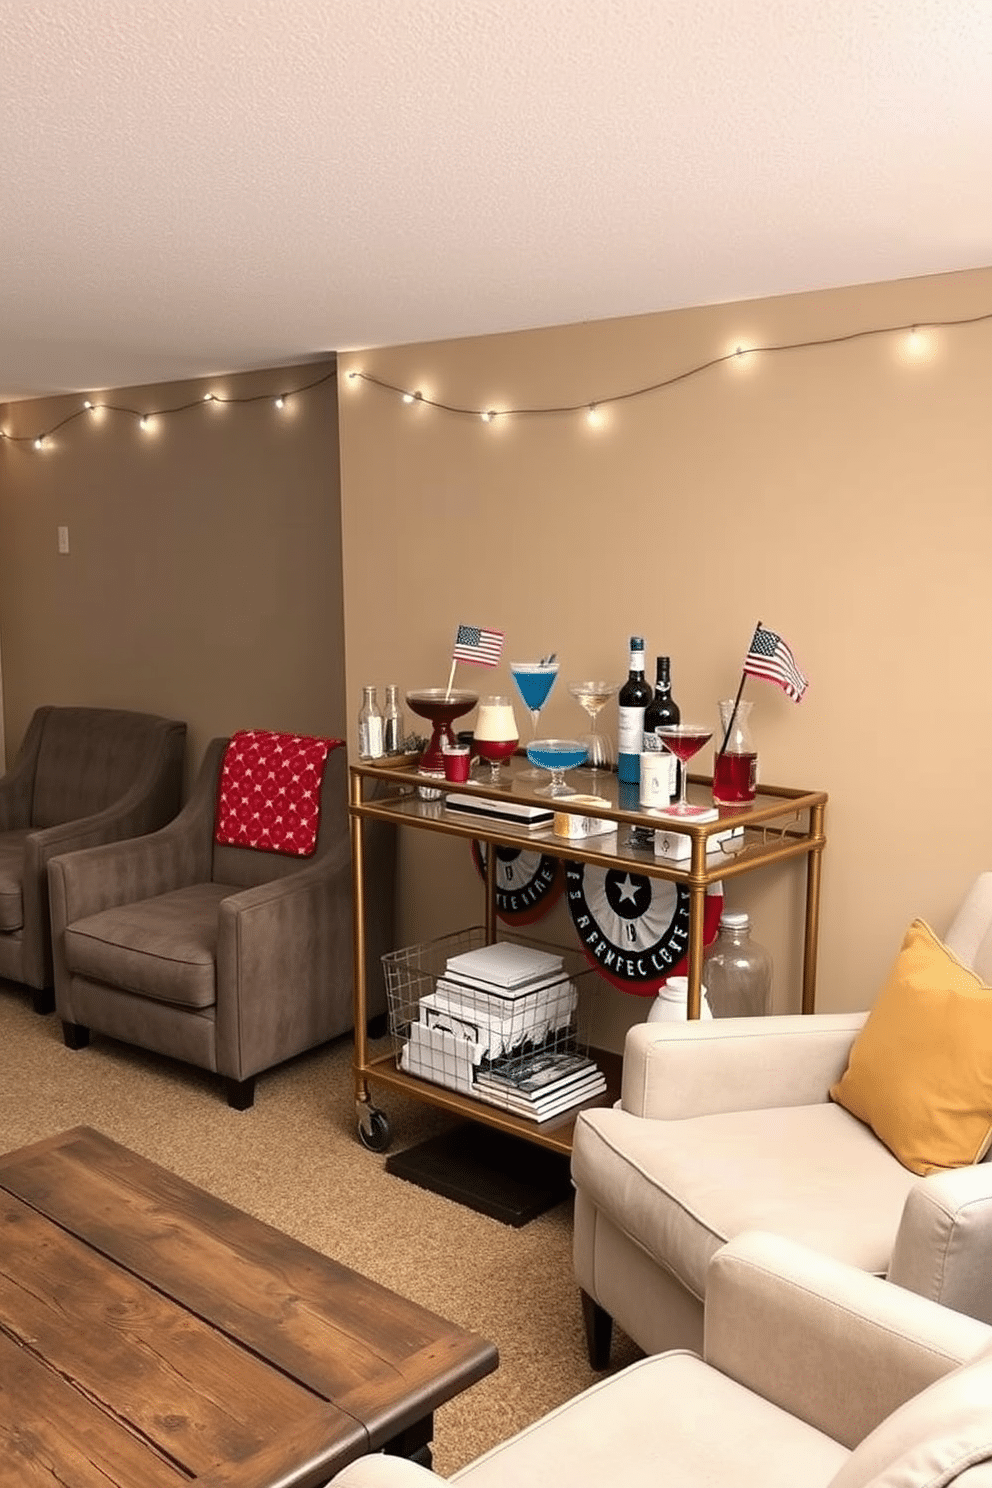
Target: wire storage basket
(503,1023)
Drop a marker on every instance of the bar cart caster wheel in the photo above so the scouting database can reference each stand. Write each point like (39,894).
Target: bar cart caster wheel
(374,1132)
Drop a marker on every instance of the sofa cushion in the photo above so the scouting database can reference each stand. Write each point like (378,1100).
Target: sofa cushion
(933,1439)
(164,947)
(11,878)
(920,1071)
(669,1419)
(679,1189)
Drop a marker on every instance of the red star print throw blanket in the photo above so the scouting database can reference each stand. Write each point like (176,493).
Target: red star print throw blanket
(269,793)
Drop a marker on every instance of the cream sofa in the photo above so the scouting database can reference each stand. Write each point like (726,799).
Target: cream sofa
(812,1375)
(726,1126)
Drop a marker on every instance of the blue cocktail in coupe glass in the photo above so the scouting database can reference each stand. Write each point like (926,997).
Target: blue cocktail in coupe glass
(534,681)
(556,755)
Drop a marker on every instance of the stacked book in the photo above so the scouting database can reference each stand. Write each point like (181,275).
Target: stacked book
(541,1085)
(502,996)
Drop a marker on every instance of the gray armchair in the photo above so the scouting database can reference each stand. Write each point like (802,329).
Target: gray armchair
(82,776)
(228,958)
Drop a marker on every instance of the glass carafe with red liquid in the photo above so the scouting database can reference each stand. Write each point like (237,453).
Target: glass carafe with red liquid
(735,764)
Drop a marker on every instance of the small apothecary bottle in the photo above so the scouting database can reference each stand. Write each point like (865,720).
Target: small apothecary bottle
(392,722)
(737,970)
(369,726)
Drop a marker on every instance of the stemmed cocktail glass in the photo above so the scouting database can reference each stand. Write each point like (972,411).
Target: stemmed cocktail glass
(534,681)
(556,755)
(685,740)
(594,695)
(496,735)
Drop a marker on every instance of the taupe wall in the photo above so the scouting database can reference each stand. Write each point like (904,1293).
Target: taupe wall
(203,579)
(839,493)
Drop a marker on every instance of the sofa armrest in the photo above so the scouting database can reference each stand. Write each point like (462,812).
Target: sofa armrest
(831,1344)
(944,1240)
(673,1070)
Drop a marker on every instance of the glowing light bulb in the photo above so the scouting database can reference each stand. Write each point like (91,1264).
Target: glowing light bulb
(208,397)
(594,416)
(39,442)
(280,402)
(144,421)
(409,397)
(87,405)
(488,416)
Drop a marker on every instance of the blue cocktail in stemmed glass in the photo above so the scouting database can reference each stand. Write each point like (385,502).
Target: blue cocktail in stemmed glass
(556,755)
(534,681)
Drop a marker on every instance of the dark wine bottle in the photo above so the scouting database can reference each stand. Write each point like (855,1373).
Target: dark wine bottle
(661,710)
(632,699)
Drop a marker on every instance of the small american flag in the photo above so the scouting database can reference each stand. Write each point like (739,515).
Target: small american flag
(769,656)
(476,644)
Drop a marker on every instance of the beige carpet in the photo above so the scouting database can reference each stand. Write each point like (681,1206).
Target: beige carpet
(294,1160)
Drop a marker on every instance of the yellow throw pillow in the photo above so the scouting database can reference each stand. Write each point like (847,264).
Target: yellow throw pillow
(920,1070)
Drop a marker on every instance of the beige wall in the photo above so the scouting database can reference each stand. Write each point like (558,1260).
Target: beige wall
(840,493)
(203,577)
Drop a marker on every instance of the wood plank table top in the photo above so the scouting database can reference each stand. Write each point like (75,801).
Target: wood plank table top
(153,1336)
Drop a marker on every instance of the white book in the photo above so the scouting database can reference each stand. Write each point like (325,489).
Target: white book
(505,964)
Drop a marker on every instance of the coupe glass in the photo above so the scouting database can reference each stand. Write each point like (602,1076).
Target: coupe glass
(594,695)
(496,735)
(684,740)
(534,681)
(556,755)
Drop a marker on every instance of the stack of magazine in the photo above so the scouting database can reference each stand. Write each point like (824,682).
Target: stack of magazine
(541,1085)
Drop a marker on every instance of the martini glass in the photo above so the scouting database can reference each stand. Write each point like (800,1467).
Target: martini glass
(685,740)
(556,755)
(534,681)
(594,695)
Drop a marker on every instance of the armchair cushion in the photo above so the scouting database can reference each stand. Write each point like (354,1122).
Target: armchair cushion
(920,1071)
(164,947)
(679,1189)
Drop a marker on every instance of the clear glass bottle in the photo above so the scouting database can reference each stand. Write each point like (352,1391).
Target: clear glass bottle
(369,726)
(392,722)
(737,970)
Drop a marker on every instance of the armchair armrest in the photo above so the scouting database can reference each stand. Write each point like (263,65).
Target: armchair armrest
(284,963)
(833,1345)
(674,1070)
(944,1239)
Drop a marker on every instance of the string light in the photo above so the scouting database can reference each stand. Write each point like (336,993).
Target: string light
(740,353)
(146,419)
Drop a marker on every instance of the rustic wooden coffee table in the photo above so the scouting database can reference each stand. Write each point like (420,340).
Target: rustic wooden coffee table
(152,1336)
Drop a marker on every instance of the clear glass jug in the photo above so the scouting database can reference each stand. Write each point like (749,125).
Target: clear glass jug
(738,971)
(735,770)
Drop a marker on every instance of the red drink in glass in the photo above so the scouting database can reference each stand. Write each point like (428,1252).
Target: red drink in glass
(735,778)
(684,743)
(494,750)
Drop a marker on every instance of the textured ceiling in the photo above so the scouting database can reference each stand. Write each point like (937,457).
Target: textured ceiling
(196,188)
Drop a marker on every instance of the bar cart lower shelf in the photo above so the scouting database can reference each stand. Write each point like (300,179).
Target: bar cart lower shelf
(781,824)
(374,1131)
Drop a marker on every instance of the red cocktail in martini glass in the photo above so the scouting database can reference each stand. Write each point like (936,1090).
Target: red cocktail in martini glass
(685,740)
